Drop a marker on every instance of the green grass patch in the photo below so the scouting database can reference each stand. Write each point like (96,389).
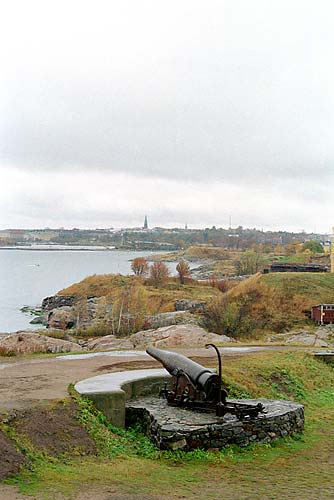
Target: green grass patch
(318,287)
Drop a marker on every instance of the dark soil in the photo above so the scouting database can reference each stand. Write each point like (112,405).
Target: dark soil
(55,430)
(10,459)
(281,383)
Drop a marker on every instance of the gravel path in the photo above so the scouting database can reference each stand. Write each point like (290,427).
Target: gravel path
(27,381)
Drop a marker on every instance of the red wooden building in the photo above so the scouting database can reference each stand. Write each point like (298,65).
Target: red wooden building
(323,313)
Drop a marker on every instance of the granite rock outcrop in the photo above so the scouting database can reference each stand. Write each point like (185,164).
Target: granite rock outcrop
(170,336)
(31,343)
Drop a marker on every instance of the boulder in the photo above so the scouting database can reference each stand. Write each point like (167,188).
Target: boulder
(58,301)
(82,313)
(322,337)
(30,343)
(108,342)
(170,336)
(194,306)
(308,339)
(39,320)
(61,318)
(170,318)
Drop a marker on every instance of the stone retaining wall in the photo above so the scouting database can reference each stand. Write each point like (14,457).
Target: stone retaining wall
(175,428)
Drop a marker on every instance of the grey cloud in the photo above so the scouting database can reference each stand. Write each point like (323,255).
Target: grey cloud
(175,139)
(219,93)
(236,111)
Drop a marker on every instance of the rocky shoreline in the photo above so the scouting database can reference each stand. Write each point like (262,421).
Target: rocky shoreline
(75,324)
(26,342)
(65,312)
(182,335)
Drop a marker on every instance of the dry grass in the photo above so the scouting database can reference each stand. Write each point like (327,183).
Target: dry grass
(157,300)
(277,301)
(196,252)
(99,285)
(6,352)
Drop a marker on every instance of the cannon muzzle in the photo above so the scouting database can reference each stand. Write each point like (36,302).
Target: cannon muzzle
(202,378)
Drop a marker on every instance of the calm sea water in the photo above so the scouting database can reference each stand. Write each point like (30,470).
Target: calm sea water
(27,276)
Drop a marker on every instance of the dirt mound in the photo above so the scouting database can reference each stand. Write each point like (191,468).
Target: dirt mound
(10,459)
(55,430)
(52,429)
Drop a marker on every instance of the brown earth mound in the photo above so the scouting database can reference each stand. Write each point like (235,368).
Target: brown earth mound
(10,459)
(55,430)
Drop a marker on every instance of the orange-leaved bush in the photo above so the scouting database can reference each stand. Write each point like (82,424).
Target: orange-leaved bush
(159,273)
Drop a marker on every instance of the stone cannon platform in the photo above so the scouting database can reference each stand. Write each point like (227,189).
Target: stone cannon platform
(177,428)
(131,397)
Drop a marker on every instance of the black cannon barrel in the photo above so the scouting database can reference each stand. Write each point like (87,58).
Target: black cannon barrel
(201,377)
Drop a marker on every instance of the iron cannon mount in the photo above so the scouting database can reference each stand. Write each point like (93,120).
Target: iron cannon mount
(197,388)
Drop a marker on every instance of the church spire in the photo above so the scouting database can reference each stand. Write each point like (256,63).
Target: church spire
(145,223)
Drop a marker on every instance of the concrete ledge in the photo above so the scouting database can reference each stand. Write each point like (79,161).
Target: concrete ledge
(110,391)
(326,356)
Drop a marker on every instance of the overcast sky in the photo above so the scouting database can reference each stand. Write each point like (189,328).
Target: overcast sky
(187,110)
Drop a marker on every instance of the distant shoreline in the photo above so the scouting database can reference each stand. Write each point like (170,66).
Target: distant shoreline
(61,249)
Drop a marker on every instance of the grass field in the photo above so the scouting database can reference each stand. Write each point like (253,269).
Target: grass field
(129,467)
(316,287)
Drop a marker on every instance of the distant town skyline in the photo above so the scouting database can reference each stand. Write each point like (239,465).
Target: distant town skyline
(149,227)
(190,111)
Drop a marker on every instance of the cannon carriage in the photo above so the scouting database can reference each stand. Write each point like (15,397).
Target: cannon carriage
(197,388)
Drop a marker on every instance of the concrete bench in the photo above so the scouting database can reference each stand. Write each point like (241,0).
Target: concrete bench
(110,391)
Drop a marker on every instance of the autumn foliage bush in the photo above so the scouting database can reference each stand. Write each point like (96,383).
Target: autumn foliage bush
(183,270)
(253,307)
(140,266)
(159,273)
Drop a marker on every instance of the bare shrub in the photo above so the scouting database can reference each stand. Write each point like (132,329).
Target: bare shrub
(4,351)
(159,273)
(140,266)
(183,270)
(223,286)
(249,263)
(129,308)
